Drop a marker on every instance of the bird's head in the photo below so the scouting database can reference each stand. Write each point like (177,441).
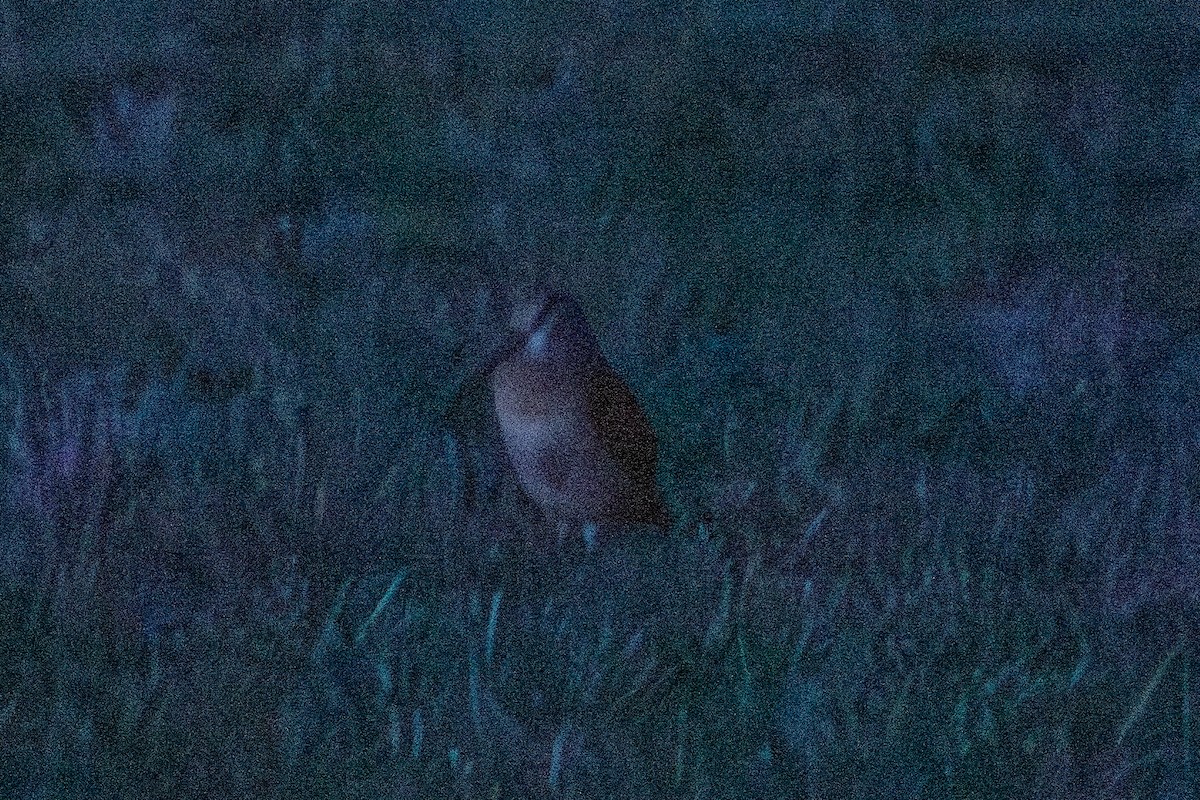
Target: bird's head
(551,329)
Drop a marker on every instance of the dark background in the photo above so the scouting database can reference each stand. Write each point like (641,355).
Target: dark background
(909,294)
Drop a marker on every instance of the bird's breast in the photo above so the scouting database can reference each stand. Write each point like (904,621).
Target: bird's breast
(566,435)
(535,412)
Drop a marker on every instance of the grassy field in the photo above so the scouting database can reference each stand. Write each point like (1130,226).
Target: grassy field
(908,294)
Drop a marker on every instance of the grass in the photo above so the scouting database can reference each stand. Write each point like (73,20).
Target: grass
(907,296)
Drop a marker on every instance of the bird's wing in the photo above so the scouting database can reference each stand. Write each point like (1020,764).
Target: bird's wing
(621,425)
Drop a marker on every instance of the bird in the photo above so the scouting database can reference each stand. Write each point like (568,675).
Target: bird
(574,432)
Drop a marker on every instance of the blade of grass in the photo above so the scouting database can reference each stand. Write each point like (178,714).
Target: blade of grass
(380,606)
(1139,707)
(493,618)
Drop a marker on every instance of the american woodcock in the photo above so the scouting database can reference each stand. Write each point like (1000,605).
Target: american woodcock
(580,444)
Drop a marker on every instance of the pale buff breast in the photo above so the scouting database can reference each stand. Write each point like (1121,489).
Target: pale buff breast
(551,443)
